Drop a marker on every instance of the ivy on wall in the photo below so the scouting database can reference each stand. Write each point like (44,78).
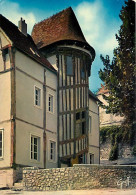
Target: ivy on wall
(116,136)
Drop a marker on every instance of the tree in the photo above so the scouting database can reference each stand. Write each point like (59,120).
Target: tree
(119,76)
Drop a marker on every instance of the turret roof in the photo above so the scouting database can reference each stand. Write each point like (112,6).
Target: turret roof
(60,27)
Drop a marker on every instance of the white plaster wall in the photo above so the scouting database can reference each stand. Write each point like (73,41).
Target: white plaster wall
(108,119)
(53,61)
(95,151)
(29,66)
(49,163)
(25,96)
(94,132)
(5,40)
(23,144)
(28,112)
(5,107)
(5,96)
(5,161)
(51,118)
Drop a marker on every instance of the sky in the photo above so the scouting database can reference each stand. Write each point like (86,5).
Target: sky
(98,19)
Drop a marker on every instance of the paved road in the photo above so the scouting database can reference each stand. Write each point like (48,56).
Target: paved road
(72,192)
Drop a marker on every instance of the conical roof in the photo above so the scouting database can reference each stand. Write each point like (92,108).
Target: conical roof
(60,27)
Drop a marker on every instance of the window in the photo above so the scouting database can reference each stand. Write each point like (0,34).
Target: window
(82,70)
(1,143)
(52,150)
(90,123)
(37,96)
(91,158)
(83,114)
(69,65)
(35,148)
(77,115)
(80,159)
(80,123)
(83,127)
(50,105)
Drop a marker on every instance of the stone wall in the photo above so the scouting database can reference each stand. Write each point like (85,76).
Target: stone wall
(124,154)
(80,177)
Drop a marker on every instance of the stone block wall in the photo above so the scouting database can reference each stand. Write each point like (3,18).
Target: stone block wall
(124,154)
(80,177)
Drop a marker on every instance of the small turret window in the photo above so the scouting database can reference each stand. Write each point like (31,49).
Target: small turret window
(69,65)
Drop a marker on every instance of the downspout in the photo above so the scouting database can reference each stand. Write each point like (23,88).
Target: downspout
(44,119)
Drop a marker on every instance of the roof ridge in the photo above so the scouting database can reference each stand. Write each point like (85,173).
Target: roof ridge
(23,43)
(13,24)
(54,15)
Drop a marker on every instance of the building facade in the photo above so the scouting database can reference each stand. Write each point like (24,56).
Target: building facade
(68,52)
(44,90)
(107,119)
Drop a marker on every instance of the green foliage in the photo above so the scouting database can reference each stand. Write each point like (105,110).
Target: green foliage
(116,135)
(119,75)
(114,153)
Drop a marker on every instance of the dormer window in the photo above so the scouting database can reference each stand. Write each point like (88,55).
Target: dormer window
(34,52)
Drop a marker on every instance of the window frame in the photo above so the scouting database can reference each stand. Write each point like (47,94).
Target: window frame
(71,74)
(32,136)
(54,151)
(91,155)
(81,121)
(50,95)
(2,145)
(83,74)
(40,96)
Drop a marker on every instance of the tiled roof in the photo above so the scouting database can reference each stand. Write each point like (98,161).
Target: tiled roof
(59,27)
(22,42)
(102,90)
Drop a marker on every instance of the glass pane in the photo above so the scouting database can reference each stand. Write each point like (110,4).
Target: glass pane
(35,148)
(82,74)
(83,127)
(35,156)
(36,92)
(83,114)
(69,65)
(77,115)
(0,152)
(35,141)
(0,136)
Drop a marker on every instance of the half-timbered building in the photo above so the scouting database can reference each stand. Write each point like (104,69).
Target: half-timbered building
(61,40)
(45,103)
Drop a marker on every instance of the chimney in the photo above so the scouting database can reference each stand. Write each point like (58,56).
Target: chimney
(22,26)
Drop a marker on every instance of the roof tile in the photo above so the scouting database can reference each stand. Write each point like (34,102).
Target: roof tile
(62,26)
(22,42)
